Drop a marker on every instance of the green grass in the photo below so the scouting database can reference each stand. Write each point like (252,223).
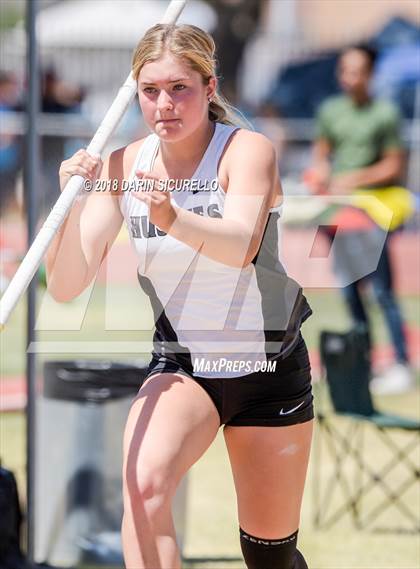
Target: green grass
(129,308)
(212,525)
(329,312)
(73,322)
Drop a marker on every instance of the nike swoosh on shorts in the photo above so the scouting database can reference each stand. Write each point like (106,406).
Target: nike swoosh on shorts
(281,412)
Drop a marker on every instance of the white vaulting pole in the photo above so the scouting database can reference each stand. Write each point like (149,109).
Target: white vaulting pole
(74,186)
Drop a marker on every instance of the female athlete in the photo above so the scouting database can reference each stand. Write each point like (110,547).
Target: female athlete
(202,213)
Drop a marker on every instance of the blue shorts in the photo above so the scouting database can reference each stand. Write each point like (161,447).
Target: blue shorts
(265,398)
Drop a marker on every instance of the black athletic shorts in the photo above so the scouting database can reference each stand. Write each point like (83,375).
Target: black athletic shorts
(265,398)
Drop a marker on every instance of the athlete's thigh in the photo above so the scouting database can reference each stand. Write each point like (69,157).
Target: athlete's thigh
(269,467)
(172,421)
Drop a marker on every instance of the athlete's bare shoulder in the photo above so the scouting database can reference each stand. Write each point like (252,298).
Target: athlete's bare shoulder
(249,140)
(246,146)
(251,150)
(122,159)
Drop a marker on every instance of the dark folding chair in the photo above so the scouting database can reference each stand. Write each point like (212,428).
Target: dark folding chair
(356,470)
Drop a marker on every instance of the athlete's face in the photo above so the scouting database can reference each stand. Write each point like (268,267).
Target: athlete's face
(354,72)
(173,97)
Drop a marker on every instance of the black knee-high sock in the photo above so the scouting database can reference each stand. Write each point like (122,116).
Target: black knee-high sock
(260,553)
(300,562)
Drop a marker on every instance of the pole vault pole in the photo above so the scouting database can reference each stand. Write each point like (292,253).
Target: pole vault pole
(24,275)
(34,256)
(31,185)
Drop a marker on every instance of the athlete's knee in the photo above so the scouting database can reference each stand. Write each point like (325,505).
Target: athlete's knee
(280,553)
(148,487)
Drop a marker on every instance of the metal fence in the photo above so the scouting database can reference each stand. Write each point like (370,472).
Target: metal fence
(63,134)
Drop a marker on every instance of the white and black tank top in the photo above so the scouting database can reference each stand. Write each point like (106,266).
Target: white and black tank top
(205,310)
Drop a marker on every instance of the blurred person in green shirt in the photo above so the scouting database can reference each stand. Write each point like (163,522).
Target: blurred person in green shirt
(358,146)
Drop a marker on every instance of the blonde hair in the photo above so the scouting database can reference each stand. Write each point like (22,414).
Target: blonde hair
(196,48)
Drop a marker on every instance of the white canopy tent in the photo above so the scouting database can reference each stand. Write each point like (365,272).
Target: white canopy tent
(110,23)
(90,42)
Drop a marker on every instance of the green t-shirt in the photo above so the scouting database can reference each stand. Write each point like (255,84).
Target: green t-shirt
(359,135)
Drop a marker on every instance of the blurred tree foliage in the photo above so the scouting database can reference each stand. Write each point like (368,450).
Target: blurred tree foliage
(11,12)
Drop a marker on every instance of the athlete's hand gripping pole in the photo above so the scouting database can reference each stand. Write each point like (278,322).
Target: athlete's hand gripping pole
(34,256)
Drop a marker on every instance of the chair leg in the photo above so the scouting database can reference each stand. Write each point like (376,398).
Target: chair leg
(358,479)
(400,456)
(350,443)
(316,479)
(339,452)
(375,478)
(348,450)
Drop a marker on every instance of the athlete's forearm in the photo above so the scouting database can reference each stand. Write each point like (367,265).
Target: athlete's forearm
(66,266)
(223,240)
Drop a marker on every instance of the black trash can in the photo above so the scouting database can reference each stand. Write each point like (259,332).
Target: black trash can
(346,358)
(78,478)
